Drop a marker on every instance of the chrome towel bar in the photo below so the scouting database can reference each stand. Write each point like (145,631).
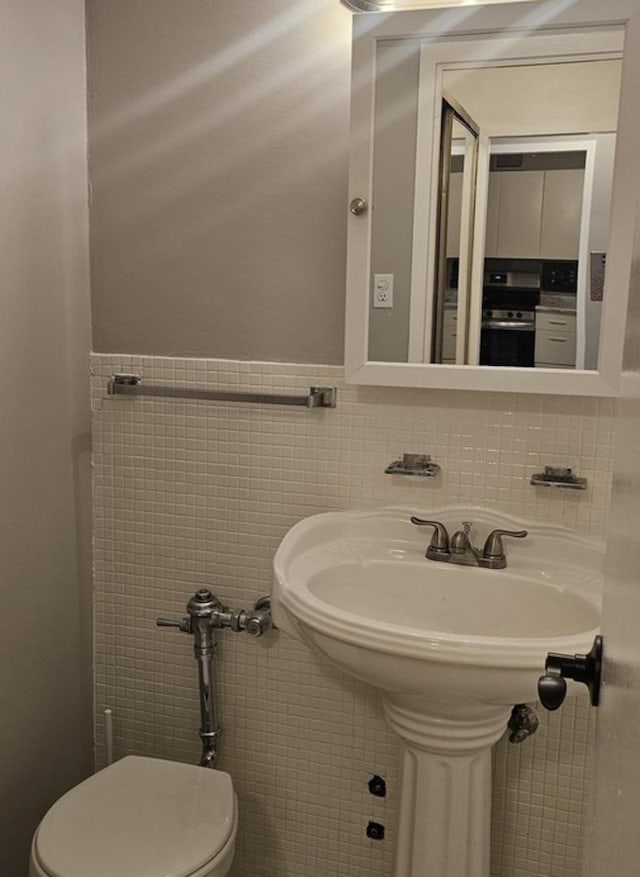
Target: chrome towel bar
(132,385)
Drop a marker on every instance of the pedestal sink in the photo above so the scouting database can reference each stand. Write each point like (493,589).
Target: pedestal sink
(452,649)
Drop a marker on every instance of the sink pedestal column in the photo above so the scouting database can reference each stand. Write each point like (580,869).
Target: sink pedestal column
(444,818)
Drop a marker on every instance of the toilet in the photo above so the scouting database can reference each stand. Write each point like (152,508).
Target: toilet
(140,817)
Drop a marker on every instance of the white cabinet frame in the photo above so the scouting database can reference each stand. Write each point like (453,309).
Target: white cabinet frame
(587,29)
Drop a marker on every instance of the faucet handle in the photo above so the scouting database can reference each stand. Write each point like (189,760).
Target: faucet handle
(493,547)
(439,545)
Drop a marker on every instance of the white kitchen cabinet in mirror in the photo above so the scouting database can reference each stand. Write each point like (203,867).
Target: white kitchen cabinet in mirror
(552,91)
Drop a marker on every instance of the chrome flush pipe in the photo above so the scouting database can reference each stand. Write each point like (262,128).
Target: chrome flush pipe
(206,615)
(201,608)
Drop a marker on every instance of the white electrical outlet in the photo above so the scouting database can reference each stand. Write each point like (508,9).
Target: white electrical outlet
(383,290)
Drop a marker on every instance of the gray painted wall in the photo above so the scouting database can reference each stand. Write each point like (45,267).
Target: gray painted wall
(394,170)
(45,612)
(218,164)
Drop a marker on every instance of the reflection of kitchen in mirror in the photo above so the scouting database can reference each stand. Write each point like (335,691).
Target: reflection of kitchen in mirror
(489,237)
(544,187)
(530,283)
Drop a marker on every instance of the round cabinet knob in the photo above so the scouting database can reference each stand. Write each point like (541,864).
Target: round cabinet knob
(359,207)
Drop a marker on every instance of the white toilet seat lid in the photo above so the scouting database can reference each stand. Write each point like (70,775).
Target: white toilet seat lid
(140,817)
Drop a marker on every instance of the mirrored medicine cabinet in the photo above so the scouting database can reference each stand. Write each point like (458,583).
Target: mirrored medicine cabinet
(495,155)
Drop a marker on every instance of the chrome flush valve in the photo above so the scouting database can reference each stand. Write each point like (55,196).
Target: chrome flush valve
(205,605)
(206,615)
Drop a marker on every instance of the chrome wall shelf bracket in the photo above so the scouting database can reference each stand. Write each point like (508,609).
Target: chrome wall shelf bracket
(558,477)
(132,385)
(413,464)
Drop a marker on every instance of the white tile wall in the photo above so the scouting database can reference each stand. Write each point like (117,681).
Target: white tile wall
(198,493)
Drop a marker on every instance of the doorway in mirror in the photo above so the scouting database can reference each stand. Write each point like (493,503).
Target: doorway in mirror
(454,243)
(534,201)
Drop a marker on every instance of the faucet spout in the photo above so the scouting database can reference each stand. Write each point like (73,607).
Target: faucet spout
(462,549)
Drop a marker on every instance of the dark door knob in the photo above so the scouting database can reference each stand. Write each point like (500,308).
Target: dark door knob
(583,668)
(551,691)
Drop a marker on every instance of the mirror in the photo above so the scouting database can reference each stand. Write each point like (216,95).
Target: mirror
(488,166)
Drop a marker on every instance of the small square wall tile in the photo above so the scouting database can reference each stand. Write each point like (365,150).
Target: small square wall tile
(191,493)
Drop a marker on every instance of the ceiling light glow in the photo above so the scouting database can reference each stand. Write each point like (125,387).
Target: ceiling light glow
(398,5)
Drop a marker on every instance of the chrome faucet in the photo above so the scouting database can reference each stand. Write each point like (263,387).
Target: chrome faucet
(459,549)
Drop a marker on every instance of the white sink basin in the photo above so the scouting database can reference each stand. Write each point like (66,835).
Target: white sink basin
(452,648)
(436,602)
(357,586)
